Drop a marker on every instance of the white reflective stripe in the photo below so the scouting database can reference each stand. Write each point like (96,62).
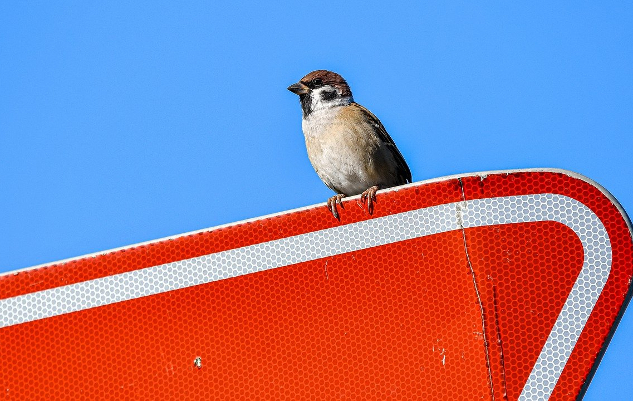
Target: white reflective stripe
(227,264)
(585,291)
(353,237)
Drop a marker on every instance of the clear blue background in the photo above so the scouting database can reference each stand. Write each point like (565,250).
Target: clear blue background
(122,123)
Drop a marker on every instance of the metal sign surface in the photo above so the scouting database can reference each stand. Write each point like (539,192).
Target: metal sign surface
(502,285)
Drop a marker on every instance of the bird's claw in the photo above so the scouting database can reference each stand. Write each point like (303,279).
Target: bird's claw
(370,197)
(331,205)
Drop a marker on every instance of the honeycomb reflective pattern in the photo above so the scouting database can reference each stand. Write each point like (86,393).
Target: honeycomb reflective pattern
(381,307)
(587,286)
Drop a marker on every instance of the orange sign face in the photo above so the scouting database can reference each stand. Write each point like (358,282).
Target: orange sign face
(497,286)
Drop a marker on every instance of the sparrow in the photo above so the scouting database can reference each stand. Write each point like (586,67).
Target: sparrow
(347,145)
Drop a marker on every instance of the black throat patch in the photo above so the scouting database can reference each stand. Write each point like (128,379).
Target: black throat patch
(306,104)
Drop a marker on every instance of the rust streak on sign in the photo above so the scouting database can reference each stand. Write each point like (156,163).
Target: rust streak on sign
(482,310)
(499,341)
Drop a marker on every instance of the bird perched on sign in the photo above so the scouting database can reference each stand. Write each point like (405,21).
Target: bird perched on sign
(347,145)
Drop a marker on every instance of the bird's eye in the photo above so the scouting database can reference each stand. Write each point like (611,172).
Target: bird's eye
(316,82)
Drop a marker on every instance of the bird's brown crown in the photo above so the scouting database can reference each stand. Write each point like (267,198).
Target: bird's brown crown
(324,77)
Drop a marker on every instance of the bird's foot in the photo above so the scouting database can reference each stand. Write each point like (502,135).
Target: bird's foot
(370,196)
(331,205)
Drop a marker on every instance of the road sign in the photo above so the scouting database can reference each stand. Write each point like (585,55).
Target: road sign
(504,285)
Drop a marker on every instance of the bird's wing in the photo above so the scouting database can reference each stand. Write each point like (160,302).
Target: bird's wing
(402,167)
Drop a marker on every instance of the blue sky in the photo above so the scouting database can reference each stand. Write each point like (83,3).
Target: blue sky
(122,123)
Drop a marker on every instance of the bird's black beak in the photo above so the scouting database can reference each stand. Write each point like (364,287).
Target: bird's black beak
(299,88)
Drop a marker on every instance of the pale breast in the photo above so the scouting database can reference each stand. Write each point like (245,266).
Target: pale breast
(345,151)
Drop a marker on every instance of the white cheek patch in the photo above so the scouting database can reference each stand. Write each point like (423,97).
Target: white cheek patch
(318,103)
